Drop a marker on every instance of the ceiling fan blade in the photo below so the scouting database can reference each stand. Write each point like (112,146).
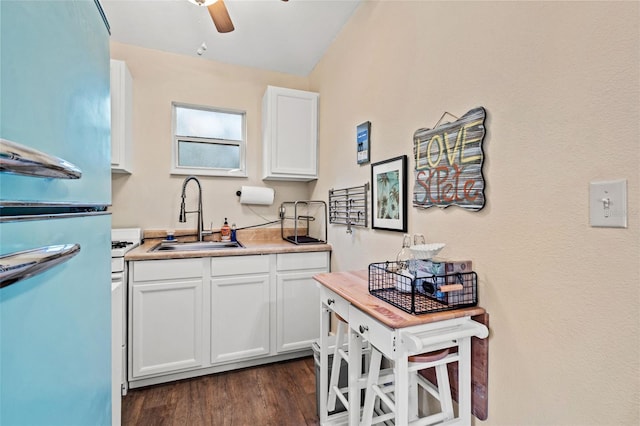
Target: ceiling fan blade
(220,16)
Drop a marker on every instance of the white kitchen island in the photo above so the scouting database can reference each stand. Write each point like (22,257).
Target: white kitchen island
(397,335)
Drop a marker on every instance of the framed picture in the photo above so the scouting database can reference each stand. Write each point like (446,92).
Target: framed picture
(363,140)
(389,194)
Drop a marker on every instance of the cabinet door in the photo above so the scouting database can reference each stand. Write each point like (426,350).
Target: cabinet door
(298,320)
(166,327)
(116,351)
(121,118)
(290,134)
(55,339)
(239,317)
(54,75)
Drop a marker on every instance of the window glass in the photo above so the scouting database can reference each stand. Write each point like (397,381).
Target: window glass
(211,155)
(208,124)
(208,141)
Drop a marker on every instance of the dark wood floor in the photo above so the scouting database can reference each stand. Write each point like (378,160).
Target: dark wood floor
(276,394)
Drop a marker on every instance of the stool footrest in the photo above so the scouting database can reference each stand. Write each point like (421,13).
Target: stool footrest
(429,420)
(429,387)
(344,355)
(340,395)
(382,394)
(383,417)
(385,376)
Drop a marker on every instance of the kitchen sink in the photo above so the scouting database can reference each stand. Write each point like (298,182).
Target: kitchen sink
(196,245)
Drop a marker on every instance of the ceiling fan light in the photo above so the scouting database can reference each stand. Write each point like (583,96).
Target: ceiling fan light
(202,2)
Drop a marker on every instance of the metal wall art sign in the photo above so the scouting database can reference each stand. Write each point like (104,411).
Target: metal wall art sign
(448,161)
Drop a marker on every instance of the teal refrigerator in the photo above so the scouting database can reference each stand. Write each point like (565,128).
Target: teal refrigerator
(55,186)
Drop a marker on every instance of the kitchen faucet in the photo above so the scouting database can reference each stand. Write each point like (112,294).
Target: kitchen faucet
(183,212)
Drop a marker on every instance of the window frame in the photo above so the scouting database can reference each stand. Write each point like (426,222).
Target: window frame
(176,169)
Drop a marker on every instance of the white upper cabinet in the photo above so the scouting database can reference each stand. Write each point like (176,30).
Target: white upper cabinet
(289,134)
(121,125)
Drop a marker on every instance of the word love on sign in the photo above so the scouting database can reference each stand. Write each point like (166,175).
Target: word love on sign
(449,163)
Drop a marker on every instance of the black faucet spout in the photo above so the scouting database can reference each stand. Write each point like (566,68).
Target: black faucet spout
(183,213)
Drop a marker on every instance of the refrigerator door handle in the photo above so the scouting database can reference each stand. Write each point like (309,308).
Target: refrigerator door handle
(22,160)
(25,264)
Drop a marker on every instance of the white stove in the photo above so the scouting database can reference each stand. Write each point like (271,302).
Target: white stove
(122,241)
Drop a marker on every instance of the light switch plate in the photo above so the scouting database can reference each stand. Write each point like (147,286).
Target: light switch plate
(608,203)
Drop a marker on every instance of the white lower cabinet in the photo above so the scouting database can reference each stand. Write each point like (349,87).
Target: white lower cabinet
(240,308)
(189,317)
(166,317)
(297,298)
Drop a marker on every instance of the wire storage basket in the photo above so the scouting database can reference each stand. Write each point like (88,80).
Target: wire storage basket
(423,294)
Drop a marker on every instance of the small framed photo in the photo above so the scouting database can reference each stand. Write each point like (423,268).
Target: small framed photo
(363,140)
(389,194)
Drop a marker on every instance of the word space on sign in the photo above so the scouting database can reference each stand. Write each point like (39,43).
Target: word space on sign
(449,162)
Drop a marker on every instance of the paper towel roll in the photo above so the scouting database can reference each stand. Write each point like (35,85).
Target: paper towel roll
(256,195)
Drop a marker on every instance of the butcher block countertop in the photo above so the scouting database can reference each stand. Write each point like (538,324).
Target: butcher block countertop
(353,286)
(266,241)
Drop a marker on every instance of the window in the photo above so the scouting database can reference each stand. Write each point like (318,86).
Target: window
(208,141)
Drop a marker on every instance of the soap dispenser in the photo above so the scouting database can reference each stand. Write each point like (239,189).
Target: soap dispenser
(233,232)
(225,231)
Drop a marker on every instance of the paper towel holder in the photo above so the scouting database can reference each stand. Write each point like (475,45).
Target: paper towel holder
(239,194)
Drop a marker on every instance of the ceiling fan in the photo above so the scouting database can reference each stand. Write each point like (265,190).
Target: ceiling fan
(219,14)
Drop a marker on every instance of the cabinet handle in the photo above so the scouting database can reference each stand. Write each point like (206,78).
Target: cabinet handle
(363,328)
(24,264)
(330,301)
(22,160)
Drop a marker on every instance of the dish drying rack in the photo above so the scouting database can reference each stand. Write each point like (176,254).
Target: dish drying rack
(304,221)
(349,206)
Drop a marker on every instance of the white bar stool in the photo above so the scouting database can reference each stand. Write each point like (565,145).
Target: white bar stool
(380,388)
(339,354)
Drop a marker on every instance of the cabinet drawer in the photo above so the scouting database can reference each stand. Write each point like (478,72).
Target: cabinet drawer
(377,333)
(154,270)
(239,265)
(297,261)
(334,302)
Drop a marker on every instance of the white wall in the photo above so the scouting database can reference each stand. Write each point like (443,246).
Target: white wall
(150,197)
(561,85)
